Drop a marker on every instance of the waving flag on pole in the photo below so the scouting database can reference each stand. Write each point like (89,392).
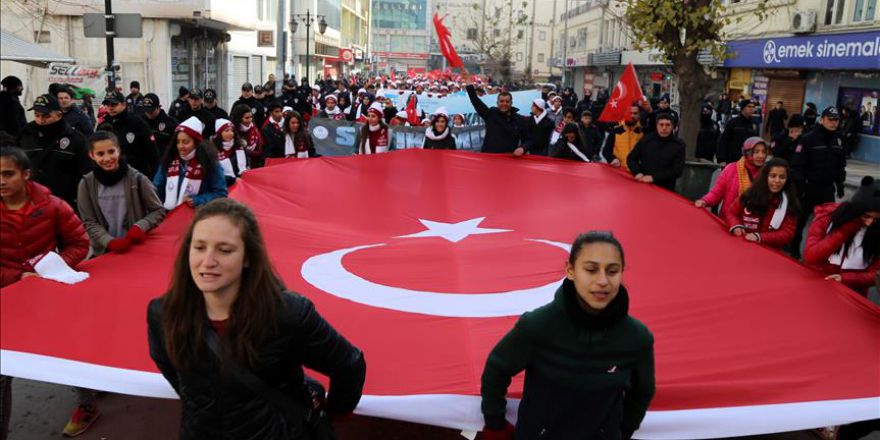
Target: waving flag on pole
(444,37)
(626,92)
(412,112)
(442,268)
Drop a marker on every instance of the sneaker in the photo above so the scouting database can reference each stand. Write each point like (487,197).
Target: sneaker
(80,421)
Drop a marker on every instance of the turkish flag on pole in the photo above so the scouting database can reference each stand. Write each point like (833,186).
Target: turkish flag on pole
(412,113)
(626,92)
(442,268)
(444,38)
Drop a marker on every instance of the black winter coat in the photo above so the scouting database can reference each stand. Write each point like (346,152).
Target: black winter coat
(218,112)
(257,109)
(13,119)
(217,406)
(446,143)
(819,164)
(775,121)
(660,158)
(707,139)
(79,121)
(176,107)
(273,138)
(136,142)
(504,132)
(730,144)
(539,134)
(203,114)
(592,139)
(560,150)
(783,145)
(59,157)
(163,130)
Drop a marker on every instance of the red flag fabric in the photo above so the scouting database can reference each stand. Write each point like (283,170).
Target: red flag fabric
(393,75)
(412,112)
(411,72)
(626,92)
(444,38)
(747,341)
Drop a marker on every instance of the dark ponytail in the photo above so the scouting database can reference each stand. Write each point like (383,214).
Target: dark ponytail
(595,237)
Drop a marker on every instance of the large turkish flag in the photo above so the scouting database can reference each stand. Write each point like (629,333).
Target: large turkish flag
(424,259)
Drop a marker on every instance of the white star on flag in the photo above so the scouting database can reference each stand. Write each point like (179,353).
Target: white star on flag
(453,232)
(613,103)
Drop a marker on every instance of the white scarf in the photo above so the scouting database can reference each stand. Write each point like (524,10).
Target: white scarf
(280,123)
(226,159)
(191,184)
(290,149)
(540,117)
(779,214)
(429,133)
(333,112)
(577,152)
(854,259)
(379,148)
(242,127)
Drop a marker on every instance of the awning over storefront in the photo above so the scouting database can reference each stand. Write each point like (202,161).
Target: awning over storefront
(852,51)
(13,48)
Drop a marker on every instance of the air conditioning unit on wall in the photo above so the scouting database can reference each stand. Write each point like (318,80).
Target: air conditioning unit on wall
(803,21)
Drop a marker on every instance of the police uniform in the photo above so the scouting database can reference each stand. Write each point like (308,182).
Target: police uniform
(135,138)
(162,125)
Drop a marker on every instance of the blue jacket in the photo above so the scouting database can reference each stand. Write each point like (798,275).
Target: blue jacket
(213,187)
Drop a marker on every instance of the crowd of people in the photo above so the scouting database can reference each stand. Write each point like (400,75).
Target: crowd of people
(82,183)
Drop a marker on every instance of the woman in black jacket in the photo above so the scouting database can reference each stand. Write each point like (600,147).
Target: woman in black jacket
(439,135)
(233,343)
(539,126)
(569,145)
(589,365)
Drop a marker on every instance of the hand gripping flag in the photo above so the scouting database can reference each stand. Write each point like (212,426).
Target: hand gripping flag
(444,38)
(625,94)
(441,269)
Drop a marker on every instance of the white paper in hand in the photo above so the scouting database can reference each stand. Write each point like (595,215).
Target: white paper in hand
(53,267)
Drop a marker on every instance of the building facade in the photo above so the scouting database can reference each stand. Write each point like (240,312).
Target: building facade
(184,43)
(400,35)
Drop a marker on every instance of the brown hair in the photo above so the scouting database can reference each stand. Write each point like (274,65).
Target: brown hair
(253,318)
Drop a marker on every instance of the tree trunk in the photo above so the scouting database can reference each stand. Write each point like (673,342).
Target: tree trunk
(693,85)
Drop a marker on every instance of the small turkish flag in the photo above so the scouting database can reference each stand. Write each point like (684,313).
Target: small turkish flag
(412,113)
(626,92)
(393,78)
(444,38)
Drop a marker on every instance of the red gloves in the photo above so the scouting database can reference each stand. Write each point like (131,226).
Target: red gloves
(28,266)
(505,433)
(119,245)
(136,235)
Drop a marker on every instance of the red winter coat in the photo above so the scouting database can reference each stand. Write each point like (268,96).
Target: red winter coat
(821,245)
(775,238)
(50,223)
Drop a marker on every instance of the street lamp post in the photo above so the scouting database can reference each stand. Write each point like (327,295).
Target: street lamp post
(307,19)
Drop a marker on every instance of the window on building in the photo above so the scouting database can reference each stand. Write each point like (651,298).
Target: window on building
(520,34)
(864,10)
(542,35)
(42,37)
(267,10)
(472,33)
(582,37)
(834,11)
(497,32)
(540,58)
(519,56)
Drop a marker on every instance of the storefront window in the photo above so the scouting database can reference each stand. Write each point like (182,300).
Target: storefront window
(864,10)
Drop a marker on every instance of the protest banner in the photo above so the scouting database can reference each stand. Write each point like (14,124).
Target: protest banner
(340,138)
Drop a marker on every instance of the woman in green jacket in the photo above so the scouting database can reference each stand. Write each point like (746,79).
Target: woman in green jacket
(589,365)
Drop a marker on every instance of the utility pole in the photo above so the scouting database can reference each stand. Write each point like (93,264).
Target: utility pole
(565,46)
(531,46)
(110,32)
(279,48)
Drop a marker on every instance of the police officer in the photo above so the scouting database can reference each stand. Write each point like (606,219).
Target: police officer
(785,141)
(196,108)
(180,103)
(818,165)
(134,99)
(736,131)
(211,105)
(58,153)
(159,122)
(247,98)
(135,137)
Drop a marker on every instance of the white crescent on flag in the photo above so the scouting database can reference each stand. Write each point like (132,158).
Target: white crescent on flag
(423,258)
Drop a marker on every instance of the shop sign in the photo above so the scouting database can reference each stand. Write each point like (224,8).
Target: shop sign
(346,55)
(265,38)
(829,51)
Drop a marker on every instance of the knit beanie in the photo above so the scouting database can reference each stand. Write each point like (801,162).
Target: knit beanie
(868,195)
(750,143)
(192,127)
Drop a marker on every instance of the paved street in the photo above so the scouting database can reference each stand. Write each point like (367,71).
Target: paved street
(40,411)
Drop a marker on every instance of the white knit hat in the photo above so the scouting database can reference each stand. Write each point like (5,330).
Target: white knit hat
(401,114)
(192,127)
(441,111)
(376,107)
(220,125)
(540,103)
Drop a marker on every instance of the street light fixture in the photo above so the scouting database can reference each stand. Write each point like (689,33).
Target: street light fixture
(307,19)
